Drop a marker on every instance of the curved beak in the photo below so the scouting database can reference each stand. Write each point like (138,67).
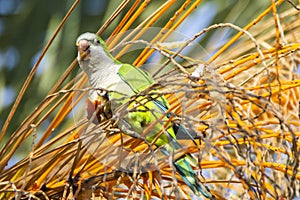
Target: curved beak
(83,47)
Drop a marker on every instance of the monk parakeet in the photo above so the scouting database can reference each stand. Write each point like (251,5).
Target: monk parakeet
(123,84)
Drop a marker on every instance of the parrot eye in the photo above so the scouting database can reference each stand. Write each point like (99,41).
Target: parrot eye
(96,41)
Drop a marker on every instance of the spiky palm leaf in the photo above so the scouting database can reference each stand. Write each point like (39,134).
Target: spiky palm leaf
(244,106)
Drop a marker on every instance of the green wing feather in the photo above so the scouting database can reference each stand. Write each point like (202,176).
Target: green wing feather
(146,112)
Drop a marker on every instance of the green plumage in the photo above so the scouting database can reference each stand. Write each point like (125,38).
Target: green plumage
(149,110)
(144,109)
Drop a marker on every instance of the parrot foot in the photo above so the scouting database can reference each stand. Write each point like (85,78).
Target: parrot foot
(98,110)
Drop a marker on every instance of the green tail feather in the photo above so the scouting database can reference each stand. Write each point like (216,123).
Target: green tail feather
(188,175)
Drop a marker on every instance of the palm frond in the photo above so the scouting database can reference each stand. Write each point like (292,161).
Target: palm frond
(244,107)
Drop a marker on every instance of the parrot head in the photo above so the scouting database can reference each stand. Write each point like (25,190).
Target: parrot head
(92,52)
(88,43)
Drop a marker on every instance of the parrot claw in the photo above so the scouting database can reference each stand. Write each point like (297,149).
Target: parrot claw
(98,110)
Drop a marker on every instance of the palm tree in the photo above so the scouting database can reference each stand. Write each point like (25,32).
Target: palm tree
(235,82)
